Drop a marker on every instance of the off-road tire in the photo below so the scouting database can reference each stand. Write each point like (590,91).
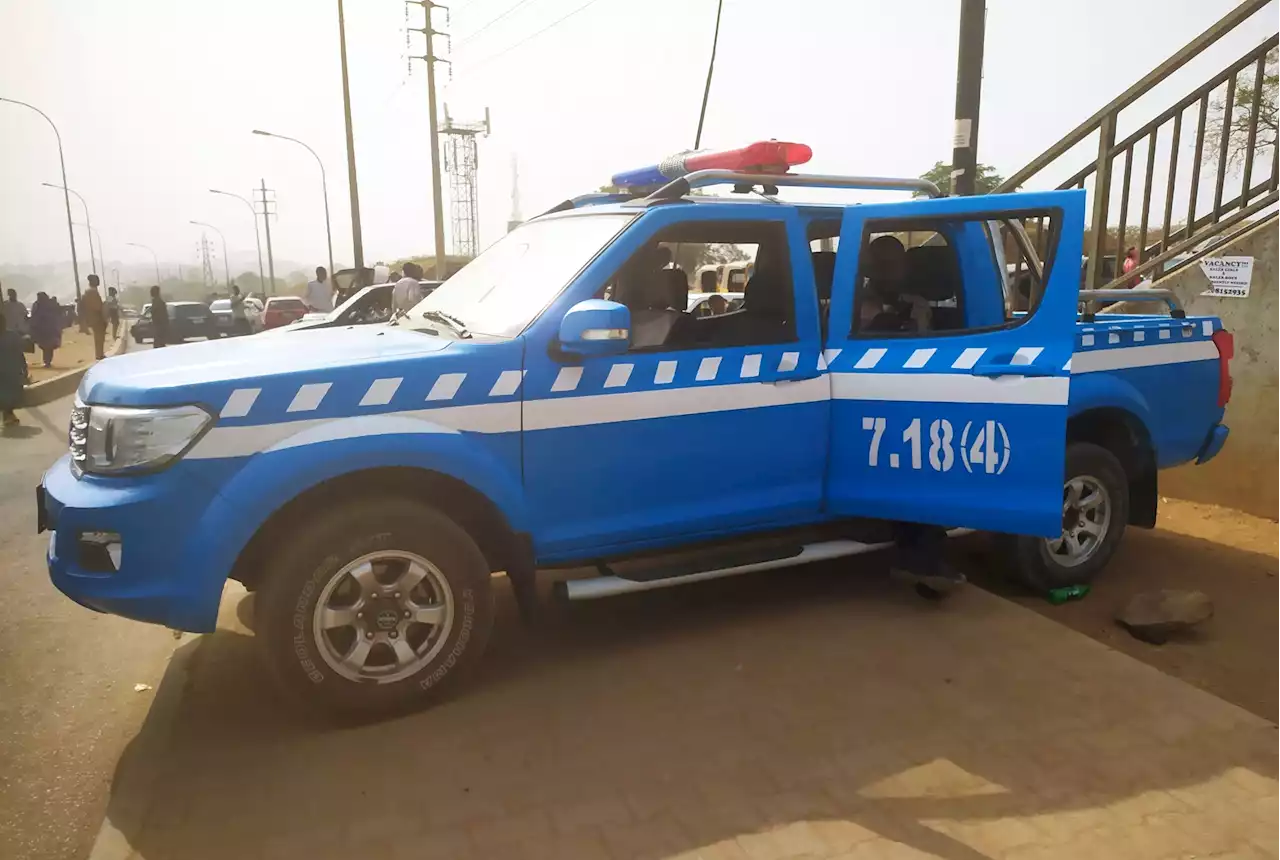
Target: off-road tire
(1034,564)
(287,597)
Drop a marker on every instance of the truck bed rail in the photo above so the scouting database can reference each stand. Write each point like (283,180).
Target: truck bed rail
(1090,298)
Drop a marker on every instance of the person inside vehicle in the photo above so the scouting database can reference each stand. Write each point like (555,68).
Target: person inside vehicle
(883,306)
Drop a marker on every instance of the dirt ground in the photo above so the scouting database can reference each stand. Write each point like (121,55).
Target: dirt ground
(1229,555)
(76,352)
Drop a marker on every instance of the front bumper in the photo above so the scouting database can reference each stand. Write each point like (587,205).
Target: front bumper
(1213,443)
(164,573)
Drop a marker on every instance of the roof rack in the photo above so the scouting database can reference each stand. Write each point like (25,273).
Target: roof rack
(744,182)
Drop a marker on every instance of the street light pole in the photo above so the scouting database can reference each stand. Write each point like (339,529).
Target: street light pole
(262,280)
(226,267)
(357,242)
(95,235)
(324,187)
(88,223)
(66,199)
(153,257)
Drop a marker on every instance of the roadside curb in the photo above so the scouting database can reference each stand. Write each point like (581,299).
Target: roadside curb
(140,769)
(49,390)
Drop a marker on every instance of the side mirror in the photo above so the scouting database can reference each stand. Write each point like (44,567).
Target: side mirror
(596,327)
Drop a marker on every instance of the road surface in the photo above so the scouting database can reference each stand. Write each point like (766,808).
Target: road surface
(67,675)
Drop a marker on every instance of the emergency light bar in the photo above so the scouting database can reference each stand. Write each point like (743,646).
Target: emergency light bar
(766,157)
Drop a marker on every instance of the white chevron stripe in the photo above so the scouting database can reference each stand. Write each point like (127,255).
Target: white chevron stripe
(381,391)
(240,402)
(919,358)
(446,386)
(508,383)
(790,361)
(618,375)
(665,373)
(1027,355)
(567,379)
(870,358)
(969,358)
(751,366)
(708,368)
(309,396)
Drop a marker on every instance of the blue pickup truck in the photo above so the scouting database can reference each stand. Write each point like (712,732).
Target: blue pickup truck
(547,411)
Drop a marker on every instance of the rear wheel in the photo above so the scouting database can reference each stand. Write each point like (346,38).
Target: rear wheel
(376,609)
(1095,510)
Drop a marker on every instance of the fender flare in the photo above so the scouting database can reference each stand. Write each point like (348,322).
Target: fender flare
(271,479)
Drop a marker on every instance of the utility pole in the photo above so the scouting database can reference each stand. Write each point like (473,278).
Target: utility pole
(266,221)
(357,241)
(437,197)
(206,265)
(964,154)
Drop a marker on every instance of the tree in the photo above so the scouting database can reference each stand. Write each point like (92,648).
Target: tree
(1236,126)
(985,182)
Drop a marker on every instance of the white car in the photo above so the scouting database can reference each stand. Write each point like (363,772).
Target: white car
(221,309)
(704,304)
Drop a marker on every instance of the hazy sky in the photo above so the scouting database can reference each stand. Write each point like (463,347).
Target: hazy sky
(156,100)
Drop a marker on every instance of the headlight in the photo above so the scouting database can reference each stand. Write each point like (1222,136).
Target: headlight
(110,440)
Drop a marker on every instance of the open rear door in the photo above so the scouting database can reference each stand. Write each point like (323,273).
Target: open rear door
(949,407)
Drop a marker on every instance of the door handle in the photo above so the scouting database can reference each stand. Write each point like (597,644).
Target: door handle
(992,369)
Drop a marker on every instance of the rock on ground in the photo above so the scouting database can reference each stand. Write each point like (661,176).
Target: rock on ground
(1154,616)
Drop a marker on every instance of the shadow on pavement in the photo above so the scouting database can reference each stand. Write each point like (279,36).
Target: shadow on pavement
(19,431)
(804,713)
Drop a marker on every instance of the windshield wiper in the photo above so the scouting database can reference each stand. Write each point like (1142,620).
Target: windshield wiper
(459,328)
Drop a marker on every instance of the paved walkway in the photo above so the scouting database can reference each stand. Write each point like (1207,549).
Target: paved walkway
(829,716)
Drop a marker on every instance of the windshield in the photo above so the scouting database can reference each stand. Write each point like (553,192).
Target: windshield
(503,289)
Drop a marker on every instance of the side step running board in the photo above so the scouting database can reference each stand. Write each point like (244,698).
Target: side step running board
(609,586)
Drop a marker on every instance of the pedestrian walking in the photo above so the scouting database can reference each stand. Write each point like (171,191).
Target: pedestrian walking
(15,312)
(239,320)
(113,311)
(13,373)
(1130,263)
(318,296)
(159,319)
(47,320)
(94,316)
(407,292)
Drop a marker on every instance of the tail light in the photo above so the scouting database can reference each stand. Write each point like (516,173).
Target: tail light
(1226,344)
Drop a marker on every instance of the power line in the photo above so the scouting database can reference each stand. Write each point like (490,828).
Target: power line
(502,15)
(532,36)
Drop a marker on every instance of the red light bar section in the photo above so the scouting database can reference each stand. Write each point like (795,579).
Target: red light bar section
(766,156)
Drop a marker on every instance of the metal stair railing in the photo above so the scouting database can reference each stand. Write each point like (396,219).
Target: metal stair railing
(1199,229)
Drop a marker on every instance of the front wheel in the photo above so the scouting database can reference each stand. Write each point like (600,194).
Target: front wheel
(375,609)
(1095,511)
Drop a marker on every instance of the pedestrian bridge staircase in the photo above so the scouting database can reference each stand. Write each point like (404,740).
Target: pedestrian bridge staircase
(1204,169)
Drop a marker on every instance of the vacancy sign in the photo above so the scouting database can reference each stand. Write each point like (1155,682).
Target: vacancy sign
(1229,277)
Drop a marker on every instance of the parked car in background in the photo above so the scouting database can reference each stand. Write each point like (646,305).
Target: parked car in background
(702,304)
(369,305)
(282,310)
(223,321)
(187,320)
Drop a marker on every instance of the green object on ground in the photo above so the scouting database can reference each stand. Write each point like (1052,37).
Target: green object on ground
(1058,596)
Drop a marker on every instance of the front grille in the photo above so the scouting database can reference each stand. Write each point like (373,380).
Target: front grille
(78,434)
